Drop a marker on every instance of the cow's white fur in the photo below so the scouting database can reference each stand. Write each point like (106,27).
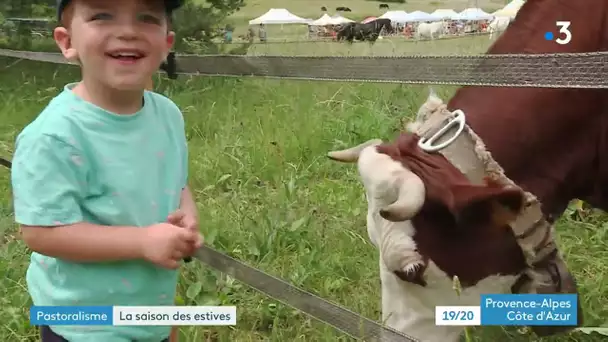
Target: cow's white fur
(431,30)
(408,307)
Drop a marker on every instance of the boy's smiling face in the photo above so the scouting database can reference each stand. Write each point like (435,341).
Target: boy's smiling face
(119,44)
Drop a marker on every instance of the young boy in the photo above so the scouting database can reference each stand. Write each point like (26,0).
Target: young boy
(100,177)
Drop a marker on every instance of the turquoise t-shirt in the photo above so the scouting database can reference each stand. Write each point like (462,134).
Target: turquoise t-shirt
(77,162)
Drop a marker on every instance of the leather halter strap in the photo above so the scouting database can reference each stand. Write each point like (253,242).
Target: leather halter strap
(547,272)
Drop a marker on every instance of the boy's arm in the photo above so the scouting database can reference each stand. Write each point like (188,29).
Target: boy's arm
(187,204)
(49,179)
(85,242)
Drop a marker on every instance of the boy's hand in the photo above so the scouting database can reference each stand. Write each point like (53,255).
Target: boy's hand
(166,244)
(182,219)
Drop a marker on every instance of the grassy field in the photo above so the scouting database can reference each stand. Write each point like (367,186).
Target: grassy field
(386,47)
(268,196)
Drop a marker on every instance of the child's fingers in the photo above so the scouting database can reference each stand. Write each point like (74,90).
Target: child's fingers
(192,247)
(171,264)
(191,223)
(189,236)
(197,243)
(175,217)
(184,248)
(178,255)
(190,252)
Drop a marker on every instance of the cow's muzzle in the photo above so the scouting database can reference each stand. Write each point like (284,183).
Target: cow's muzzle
(555,278)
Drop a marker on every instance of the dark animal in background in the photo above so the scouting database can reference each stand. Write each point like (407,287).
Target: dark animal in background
(340,9)
(369,31)
(324,9)
(346,31)
(383,6)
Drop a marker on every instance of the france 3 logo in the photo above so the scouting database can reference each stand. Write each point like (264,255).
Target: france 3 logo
(564,35)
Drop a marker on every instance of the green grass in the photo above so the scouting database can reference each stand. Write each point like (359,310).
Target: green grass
(268,196)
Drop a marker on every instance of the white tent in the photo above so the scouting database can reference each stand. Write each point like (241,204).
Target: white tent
(395,16)
(278,16)
(443,14)
(339,20)
(419,16)
(473,14)
(510,10)
(324,20)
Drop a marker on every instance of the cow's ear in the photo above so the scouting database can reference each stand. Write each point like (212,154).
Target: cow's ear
(433,97)
(505,209)
(429,106)
(502,214)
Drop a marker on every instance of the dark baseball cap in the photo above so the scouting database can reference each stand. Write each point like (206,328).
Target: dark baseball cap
(170,6)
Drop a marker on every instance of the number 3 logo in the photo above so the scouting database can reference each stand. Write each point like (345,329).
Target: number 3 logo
(563,29)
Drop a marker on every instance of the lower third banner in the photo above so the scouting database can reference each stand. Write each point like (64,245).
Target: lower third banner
(529,309)
(133,315)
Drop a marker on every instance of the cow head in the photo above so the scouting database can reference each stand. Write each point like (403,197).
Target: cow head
(413,283)
(396,196)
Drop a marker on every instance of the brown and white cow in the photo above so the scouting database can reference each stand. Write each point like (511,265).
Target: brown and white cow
(412,283)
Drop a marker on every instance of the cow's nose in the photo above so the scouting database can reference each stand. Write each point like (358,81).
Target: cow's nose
(563,282)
